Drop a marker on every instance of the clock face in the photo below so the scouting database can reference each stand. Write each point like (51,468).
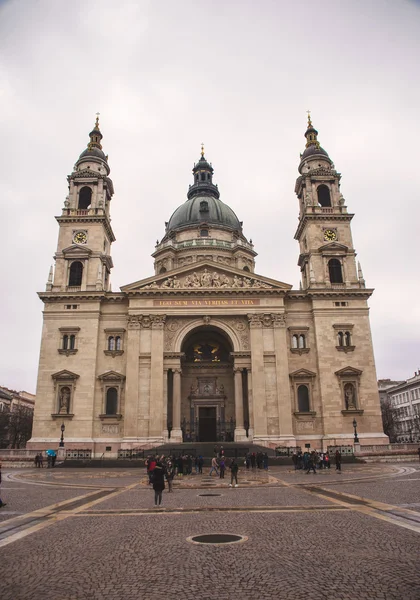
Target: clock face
(330,235)
(80,237)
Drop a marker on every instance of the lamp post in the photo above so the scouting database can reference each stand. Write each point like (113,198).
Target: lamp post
(356,439)
(61,444)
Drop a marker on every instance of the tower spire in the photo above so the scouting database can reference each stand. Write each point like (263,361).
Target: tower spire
(311,133)
(95,135)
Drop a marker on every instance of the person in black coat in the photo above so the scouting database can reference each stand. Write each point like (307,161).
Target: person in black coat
(158,482)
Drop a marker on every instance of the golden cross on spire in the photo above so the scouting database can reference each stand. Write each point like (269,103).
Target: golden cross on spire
(202,149)
(97,120)
(309,118)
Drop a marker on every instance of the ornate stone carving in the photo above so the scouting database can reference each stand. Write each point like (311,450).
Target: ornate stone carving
(133,322)
(266,320)
(206,279)
(254,321)
(279,320)
(206,319)
(157,321)
(305,426)
(171,327)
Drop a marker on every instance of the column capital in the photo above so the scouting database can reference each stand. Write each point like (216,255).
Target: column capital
(177,371)
(237,370)
(254,320)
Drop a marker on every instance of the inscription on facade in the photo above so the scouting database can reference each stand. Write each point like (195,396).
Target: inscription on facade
(208,303)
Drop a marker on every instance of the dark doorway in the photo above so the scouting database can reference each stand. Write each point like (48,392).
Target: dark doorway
(207,424)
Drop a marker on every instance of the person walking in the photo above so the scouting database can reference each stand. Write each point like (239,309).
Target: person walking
(170,474)
(338,461)
(1,502)
(311,462)
(233,473)
(158,482)
(222,467)
(36,459)
(40,460)
(200,464)
(214,466)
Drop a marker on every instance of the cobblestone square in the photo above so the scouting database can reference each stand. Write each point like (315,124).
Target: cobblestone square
(95,535)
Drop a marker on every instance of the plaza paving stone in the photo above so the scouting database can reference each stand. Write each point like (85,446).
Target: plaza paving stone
(305,546)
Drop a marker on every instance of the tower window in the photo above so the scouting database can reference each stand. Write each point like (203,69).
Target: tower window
(85,197)
(204,232)
(204,206)
(303,398)
(111,401)
(246,268)
(335,271)
(162,270)
(69,342)
(76,273)
(203,177)
(324,197)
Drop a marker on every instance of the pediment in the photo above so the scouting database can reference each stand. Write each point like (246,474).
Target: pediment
(76,250)
(64,375)
(111,376)
(334,247)
(302,373)
(348,371)
(205,275)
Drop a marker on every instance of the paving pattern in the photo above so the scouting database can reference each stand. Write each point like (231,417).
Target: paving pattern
(97,536)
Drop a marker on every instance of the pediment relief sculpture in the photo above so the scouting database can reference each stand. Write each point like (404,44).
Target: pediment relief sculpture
(207,279)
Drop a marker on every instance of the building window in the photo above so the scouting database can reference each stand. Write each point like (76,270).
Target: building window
(204,232)
(85,198)
(299,339)
(324,197)
(335,271)
(112,384)
(76,274)
(114,341)
(68,340)
(303,398)
(111,401)
(344,341)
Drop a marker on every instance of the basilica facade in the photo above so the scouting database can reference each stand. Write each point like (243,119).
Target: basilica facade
(206,348)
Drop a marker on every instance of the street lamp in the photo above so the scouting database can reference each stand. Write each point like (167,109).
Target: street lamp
(61,444)
(356,439)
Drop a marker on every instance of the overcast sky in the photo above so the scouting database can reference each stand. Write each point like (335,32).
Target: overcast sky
(239,76)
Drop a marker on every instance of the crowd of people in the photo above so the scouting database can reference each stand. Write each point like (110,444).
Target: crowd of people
(314,460)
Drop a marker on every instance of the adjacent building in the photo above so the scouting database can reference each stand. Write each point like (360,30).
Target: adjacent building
(206,348)
(404,401)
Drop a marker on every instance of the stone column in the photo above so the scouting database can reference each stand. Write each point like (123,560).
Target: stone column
(283,384)
(258,378)
(176,433)
(132,379)
(156,379)
(250,406)
(240,433)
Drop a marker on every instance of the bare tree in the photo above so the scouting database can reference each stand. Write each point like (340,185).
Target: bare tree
(20,426)
(390,420)
(4,428)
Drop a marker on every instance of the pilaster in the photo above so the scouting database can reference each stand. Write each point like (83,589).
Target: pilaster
(258,379)
(156,377)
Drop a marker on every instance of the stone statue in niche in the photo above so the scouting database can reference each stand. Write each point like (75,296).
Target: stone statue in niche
(349,396)
(64,400)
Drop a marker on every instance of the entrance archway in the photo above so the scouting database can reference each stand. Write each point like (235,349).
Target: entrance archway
(207,389)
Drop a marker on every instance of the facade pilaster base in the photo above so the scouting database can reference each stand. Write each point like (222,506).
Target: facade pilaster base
(240,435)
(176,436)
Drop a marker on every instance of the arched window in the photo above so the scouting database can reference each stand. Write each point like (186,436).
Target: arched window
(246,269)
(334,268)
(302,342)
(348,338)
(111,343)
(203,177)
(65,342)
(340,338)
(85,198)
(163,270)
(118,344)
(303,398)
(295,341)
(76,272)
(324,197)
(111,401)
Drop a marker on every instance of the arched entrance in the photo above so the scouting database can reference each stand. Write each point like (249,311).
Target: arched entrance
(207,390)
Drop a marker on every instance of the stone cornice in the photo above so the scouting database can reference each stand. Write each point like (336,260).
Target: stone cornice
(324,217)
(88,295)
(89,219)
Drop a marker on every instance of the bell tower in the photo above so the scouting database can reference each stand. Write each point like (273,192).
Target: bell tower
(327,256)
(83,258)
